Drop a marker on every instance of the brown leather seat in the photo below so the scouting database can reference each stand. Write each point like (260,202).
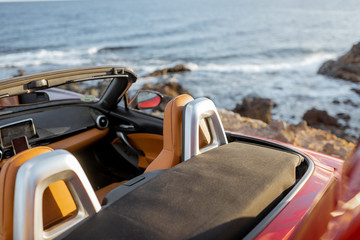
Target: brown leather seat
(57,200)
(170,155)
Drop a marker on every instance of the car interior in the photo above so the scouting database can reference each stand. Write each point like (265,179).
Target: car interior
(102,170)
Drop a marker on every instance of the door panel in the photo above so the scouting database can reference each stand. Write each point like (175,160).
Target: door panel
(138,135)
(150,144)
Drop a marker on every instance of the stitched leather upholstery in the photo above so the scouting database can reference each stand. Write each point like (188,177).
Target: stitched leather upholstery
(171,152)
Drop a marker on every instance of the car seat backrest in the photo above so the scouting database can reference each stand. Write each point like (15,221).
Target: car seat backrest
(43,193)
(208,130)
(171,152)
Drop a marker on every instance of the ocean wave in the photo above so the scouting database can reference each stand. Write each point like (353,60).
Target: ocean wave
(150,34)
(288,52)
(114,49)
(210,57)
(28,57)
(310,61)
(12,50)
(90,56)
(96,50)
(193,66)
(5,50)
(40,57)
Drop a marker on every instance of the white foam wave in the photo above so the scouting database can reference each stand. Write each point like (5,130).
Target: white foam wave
(72,57)
(310,61)
(93,50)
(193,66)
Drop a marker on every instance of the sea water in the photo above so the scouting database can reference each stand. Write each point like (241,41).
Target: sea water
(235,48)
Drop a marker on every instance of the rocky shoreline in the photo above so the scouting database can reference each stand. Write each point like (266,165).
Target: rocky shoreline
(319,131)
(346,67)
(253,117)
(299,135)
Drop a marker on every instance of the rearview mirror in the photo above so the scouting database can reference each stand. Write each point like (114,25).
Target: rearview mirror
(35,97)
(145,99)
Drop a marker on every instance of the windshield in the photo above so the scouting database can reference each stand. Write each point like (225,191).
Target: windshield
(85,90)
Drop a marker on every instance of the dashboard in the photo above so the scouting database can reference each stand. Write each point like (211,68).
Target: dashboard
(47,125)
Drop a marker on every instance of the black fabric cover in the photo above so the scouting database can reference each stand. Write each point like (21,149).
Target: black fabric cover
(221,194)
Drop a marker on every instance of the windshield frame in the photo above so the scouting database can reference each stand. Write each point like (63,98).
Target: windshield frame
(121,78)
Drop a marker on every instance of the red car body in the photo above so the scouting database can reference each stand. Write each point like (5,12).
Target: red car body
(317,211)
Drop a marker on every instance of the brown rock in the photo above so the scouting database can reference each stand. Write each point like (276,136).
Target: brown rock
(302,126)
(172,89)
(357,91)
(351,103)
(343,116)
(318,118)
(328,68)
(277,125)
(176,69)
(353,56)
(346,67)
(255,107)
(299,135)
(21,72)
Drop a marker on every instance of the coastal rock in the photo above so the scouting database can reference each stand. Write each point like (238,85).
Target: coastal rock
(319,118)
(351,103)
(21,72)
(168,89)
(357,91)
(322,120)
(344,116)
(172,89)
(298,135)
(173,70)
(346,67)
(255,107)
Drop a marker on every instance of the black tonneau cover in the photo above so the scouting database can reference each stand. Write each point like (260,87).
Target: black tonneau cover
(221,194)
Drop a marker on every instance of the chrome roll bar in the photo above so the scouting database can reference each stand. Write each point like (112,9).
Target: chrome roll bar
(33,177)
(196,111)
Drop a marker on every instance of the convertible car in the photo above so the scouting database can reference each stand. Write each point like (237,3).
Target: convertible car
(81,158)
